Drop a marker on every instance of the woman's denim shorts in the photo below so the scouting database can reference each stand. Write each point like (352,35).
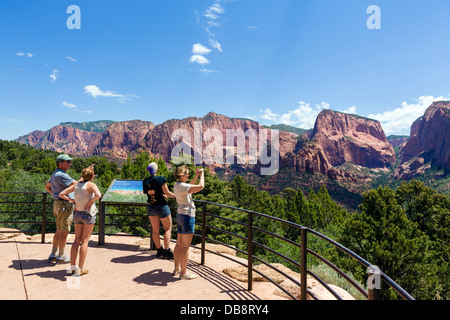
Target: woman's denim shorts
(186,224)
(83,217)
(158,210)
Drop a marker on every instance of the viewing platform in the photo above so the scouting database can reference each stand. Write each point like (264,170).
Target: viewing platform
(122,269)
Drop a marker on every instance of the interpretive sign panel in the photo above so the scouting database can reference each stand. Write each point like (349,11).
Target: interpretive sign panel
(125,191)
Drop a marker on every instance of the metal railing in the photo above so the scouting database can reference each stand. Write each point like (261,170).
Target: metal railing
(44,204)
(373,293)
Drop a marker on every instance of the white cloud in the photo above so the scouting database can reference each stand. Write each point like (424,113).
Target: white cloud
(214,11)
(10,120)
(199,59)
(267,114)
(208,71)
(72,59)
(69,105)
(350,110)
(23,54)
(96,92)
(209,20)
(75,108)
(304,116)
(199,49)
(399,120)
(54,75)
(215,44)
(212,15)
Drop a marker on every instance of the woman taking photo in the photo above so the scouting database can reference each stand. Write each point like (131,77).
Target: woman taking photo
(185,217)
(85,193)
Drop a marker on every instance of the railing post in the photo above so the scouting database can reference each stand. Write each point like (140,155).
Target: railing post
(250,250)
(203,233)
(303,267)
(101,225)
(373,283)
(44,217)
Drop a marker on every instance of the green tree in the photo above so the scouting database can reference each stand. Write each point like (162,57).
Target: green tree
(47,166)
(383,235)
(431,211)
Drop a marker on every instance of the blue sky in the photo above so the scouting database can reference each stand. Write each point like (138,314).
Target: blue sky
(275,61)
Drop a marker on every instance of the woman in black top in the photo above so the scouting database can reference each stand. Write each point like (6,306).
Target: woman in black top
(155,187)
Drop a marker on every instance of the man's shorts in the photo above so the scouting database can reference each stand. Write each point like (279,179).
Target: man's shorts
(63,212)
(185,224)
(83,217)
(158,210)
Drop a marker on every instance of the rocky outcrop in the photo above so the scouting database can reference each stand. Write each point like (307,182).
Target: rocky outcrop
(337,138)
(397,141)
(349,138)
(119,139)
(60,139)
(159,140)
(429,143)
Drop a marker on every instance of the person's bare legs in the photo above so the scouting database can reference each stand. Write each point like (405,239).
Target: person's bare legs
(181,253)
(62,240)
(59,242)
(86,235)
(76,244)
(177,256)
(155,222)
(167,224)
(82,235)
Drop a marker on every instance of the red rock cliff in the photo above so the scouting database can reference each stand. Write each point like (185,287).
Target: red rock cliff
(348,138)
(60,139)
(429,142)
(120,138)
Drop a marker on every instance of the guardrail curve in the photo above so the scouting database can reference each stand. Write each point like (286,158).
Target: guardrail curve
(373,293)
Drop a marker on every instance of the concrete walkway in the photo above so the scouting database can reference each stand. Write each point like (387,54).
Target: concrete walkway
(121,269)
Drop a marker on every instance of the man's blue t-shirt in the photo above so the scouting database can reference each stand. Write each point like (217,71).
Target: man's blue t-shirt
(59,181)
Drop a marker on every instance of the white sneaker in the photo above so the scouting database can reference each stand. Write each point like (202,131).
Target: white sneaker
(63,259)
(188,276)
(72,270)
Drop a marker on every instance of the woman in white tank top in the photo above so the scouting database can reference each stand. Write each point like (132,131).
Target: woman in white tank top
(185,217)
(86,193)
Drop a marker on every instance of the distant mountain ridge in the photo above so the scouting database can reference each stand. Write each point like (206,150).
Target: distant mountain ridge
(336,139)
(93,126)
